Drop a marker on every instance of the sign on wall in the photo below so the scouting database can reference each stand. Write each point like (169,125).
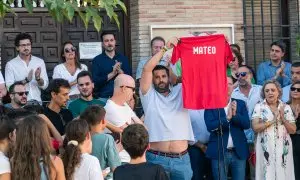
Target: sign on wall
(89,50)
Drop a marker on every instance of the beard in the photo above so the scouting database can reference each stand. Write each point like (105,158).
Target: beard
(85,94)
(163,89)
(109,48)
(243,83)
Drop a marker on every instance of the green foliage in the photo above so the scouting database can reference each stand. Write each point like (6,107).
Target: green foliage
(66,9)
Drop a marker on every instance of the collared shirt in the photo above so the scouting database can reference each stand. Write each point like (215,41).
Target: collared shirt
(250,101)
(267,71)
(165,117)
(1,79)
(102,65)
(230,142)
(142,63)
(286,93)
(17,70)
(199,127)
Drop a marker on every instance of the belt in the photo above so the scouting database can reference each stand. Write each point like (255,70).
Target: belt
(171,155)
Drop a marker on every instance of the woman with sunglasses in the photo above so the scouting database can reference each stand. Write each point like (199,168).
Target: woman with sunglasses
(273,121)
(294,102)
(70,68)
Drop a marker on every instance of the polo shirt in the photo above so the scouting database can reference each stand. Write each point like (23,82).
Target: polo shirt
(79,105)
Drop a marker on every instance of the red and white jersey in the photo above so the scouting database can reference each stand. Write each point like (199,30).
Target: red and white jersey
(204,61)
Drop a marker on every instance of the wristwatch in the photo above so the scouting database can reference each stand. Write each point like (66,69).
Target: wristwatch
(27,80)
(38,79)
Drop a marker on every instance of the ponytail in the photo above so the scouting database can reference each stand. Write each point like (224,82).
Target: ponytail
(71,158)
(76,132)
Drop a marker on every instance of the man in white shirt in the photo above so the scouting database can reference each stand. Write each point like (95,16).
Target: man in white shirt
(295,71)
(27,68)
(118,113)
(167,121)
(156,44)
(250,94)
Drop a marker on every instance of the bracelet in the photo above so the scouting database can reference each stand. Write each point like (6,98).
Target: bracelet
(37,79)
(164,49)
(267,124)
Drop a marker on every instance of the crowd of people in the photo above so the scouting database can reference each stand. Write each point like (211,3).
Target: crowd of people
(89,129)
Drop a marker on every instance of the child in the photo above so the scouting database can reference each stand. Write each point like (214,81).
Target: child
(135,140)
(78,162)
(104,147)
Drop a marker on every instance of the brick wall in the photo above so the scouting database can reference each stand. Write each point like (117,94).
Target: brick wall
(144,13)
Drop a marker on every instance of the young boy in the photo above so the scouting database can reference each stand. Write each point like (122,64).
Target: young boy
(135,140)
(104,147)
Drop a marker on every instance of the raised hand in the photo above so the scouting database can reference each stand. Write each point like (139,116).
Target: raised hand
(37,73)
(30,74)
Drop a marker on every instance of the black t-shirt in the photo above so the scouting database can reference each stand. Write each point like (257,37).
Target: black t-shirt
(59,120)
(142,171)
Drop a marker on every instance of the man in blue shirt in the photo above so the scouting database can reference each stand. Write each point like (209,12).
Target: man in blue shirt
(106,66)
(275,68)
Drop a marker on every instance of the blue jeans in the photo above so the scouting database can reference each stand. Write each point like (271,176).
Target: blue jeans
(201,165)
(237,167)
(176,168)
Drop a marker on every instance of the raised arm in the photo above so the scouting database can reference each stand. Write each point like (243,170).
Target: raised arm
(146,79)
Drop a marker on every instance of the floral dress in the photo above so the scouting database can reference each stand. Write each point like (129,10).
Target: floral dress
(274,151)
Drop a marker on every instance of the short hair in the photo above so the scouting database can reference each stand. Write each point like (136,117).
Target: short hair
(34,108)
(17,115)
(161,67)
(236,46)
(157,38)
(280,44)
(135,140)
(93,115)
(262,94)
(56,84)
(7,126)
(107,32)
(22,36)
(12,87)
(296,64)
(83,74)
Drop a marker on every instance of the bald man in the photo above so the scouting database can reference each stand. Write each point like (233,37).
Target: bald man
(118,113)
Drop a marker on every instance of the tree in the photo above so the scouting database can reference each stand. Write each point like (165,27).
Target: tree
(66,9)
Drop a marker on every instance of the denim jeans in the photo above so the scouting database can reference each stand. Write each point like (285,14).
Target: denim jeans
(237,167)
(176,168)
(201,165)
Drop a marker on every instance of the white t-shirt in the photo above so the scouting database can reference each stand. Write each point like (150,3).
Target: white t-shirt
(118,115)
(4,164)
(60,71)
(89,168)
(1,79)
(165,117)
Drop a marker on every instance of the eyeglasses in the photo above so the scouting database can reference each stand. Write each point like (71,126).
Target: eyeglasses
(25,45)
(133,89)
(72,49)
(243,74)
(295,89)
(21,93)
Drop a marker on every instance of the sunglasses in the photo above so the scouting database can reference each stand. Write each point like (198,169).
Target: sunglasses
(21,93)
(133,89)
(72,49)
(243,74)
(295,89)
